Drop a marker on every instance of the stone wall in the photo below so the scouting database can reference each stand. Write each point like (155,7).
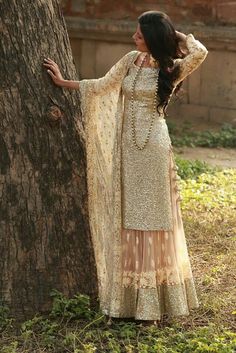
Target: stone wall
(101,32)
(209,12)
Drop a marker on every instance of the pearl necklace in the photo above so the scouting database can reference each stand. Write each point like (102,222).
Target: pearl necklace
(132,111)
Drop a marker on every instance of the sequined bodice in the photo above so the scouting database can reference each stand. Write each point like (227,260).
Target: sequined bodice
(143,102)
(145,85)
(146,195)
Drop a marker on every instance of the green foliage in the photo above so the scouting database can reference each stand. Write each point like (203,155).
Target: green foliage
(4,314)
(77,307)
(210,191)
(5,319)
(9,348)
(45,335)
(44,328)
(188,169)
(225,137)
(152,340)
(202,340)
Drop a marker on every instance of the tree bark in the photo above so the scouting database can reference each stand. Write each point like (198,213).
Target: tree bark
(45,241)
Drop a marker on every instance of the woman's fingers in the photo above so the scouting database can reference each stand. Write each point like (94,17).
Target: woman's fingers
(50,62)
(52,68)
(51,74)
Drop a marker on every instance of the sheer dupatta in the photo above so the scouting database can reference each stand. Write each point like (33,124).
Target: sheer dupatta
(102,107)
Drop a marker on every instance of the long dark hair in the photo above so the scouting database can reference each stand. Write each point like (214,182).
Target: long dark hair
(162,42)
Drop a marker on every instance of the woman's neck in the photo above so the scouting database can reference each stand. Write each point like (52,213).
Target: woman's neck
(149,61)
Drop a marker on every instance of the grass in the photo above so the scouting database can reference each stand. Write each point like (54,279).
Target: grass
(208,207)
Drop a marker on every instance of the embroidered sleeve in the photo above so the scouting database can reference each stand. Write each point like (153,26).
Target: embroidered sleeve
(111,80)
(197,54)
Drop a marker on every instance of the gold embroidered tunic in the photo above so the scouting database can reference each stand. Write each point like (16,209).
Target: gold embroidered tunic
(146,201)
(135,220)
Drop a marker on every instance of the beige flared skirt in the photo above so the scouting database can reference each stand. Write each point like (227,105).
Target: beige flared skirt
(156,271)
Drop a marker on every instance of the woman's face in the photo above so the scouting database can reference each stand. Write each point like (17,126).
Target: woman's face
(139,40)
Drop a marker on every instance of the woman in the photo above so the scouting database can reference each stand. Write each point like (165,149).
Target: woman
(143,266)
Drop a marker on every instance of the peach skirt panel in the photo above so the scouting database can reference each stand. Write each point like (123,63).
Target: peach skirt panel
(156,272)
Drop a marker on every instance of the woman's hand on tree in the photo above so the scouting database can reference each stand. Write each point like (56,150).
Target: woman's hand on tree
(54,72)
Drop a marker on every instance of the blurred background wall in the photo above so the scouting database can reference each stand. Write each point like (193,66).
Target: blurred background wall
(101,33)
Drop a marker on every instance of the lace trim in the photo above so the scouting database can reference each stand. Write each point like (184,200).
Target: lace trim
(152,279)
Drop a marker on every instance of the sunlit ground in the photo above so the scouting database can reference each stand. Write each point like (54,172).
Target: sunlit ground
(209,214)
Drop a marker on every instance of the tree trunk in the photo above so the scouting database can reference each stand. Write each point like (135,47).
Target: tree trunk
(45,241)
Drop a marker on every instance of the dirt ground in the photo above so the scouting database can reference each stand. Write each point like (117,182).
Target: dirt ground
(222,157)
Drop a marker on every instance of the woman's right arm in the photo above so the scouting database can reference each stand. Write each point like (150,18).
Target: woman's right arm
(98,86)
(54,72)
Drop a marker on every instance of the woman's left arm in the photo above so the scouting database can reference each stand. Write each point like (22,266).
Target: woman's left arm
(111,80)
(197,53)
